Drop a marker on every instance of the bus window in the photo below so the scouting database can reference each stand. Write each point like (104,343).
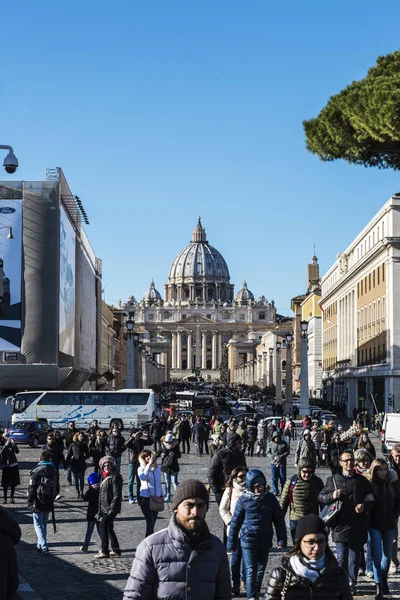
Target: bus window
(50,399)
(22,401)
(72,399)
(137,399)
(115,399)
(91,399)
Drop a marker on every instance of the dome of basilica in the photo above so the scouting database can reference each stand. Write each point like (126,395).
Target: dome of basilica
(199,261)
(244,295)
(152,295)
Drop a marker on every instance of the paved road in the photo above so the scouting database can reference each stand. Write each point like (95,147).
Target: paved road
(68,574)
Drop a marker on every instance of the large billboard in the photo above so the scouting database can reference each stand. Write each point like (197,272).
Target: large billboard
(67,286)
(10,274)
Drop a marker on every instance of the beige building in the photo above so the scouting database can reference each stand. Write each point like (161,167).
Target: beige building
(200,314)
(361,325)
(110,350)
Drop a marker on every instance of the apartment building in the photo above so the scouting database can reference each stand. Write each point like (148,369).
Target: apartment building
(360,324)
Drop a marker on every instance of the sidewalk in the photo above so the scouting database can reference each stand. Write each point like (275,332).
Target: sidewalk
(25,591)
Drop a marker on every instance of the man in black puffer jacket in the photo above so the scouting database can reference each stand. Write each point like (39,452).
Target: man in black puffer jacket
(116,445)
(223,463)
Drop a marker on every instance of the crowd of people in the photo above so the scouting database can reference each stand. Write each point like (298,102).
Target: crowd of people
(363,490)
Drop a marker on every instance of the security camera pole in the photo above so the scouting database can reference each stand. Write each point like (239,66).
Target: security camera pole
(10,162)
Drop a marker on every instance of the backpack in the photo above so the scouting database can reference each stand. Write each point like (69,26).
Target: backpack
(293,482)
(47,491)
(167,462)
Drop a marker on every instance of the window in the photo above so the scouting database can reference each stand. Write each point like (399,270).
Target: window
(184,364)
(383,308)
(373,278)
(85,399)
(261,316)
(209,339)
(383,229)
(383,272)
(284,364)
(208,317)
(241,317)
(358,289)
(167,316)
(369,282)
(362,288)
(183,316)
(209,363)
(150,317)
(52,399)
(378,272)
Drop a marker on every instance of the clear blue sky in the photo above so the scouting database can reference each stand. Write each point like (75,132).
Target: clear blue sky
(158,112)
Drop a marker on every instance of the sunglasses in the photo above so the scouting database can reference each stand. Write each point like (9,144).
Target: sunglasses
(307,472)
(240,476)
(346,460)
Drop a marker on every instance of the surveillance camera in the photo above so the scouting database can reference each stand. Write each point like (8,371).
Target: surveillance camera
(10,163)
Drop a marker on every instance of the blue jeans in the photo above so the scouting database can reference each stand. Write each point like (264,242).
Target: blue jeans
(89,531)
(366,557)
(170,478)
(287,440)
(292,527)
(118,462)
(236,559)
(381,546)
(40,524)
(349,559)
(255,561)
(132,473)
(277,474)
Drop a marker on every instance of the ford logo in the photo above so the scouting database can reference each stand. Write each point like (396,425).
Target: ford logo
(6,210)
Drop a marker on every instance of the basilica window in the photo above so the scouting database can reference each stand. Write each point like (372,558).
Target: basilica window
(242,317)
(208,316)
(261,316)
(167,316)
(209,364)
(184,364)
(150,317)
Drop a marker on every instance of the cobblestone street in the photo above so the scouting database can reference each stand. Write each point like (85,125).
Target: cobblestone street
(68,574)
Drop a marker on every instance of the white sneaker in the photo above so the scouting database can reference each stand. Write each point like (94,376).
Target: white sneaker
(58,497)
(369,574)
(392,569)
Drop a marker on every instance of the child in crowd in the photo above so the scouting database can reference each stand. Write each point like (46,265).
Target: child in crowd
(92,497)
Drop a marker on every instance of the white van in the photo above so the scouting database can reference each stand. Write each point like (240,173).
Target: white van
(390,431)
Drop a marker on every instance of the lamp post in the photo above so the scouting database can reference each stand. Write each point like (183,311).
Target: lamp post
(289,380)
(278,394)
(304,399)
(264,370)
(130,324)
(271,368)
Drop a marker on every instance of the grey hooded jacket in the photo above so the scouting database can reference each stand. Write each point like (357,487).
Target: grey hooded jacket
(166,566)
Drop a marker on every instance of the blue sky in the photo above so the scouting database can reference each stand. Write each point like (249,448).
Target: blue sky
(158,112)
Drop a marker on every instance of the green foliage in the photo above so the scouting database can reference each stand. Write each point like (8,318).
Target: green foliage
(361,124)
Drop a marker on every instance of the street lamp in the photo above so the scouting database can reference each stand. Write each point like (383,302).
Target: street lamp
(304,399)
(10,163)
(271,368)
(264,370)
(278,394)
(289,377)
(130,367)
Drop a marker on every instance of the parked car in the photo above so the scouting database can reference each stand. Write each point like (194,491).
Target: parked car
(390,431)
(33,433)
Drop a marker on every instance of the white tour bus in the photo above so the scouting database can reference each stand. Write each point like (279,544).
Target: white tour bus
(127,408)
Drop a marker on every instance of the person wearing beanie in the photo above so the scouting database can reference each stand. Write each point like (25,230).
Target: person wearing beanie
(91,496)
(278,451)
(257,511)
(223,463)
(216,444)
(300,494)
(306,449)
(110,498)
(309,570)
(185,559)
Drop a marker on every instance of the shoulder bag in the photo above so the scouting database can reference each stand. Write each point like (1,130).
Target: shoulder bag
(329,513)
(156,503)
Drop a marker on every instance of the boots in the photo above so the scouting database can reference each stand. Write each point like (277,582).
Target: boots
(384,585)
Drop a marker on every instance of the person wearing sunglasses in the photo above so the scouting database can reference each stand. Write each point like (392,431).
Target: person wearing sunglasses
(349,530)
(310,569)
(300,494)
(234,488)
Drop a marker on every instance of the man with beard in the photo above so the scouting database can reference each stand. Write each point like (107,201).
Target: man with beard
(184,560)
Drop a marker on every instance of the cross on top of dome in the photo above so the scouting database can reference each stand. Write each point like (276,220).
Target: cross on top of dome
(199,233)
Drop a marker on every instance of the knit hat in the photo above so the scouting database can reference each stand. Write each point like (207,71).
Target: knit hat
(93,479)
(215,437)
(232,438)
(276,434)
(169,438)
(190,488)
(306,432)
(309,524)
(306,463)
(107,459)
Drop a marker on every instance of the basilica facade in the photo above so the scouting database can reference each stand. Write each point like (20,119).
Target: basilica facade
(200,314)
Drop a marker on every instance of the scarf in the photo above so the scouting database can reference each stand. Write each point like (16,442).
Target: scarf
(309,569)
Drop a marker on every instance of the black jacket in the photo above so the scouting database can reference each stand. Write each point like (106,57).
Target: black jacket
(8,454)
(185,429)
(92,497)
(166,450)
(115,445)
(135,446)
(222,465)
(110,497)
(332,585)
(68,437)
(199,431)
(350,527)
(10,534)
(76,457)
(334,452)
(43,470)
(97,448)
(385,511)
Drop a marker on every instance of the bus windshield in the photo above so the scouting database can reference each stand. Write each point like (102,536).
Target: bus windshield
(23,400)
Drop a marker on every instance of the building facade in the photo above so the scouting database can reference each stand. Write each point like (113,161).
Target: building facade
(50,297)
(200,314)
(361,326)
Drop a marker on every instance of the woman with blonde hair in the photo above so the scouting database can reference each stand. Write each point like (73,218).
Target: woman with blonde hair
(234,488)
(382,521)
(150,485)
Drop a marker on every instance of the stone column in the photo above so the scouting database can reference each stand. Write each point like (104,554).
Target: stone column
(189,350)
(214,356)
(179,350)
(219,349)
(203,349)
(173,353)
(198,347)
